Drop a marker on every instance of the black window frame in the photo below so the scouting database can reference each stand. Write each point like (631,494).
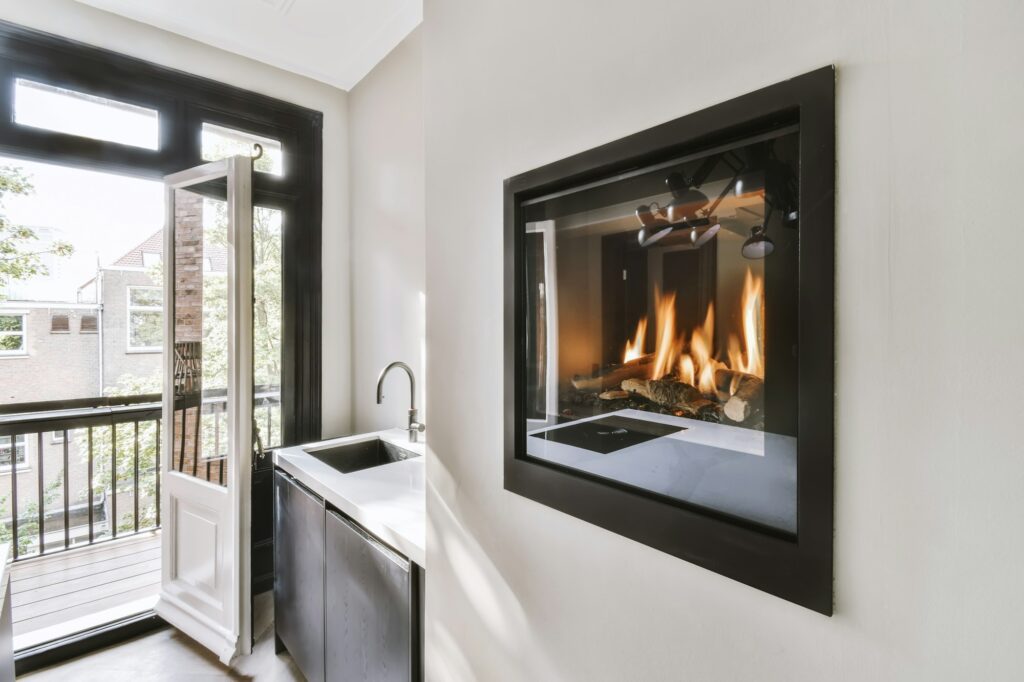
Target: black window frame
(800,568)
(184,102)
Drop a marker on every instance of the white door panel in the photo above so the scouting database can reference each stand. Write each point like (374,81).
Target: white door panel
(207,444)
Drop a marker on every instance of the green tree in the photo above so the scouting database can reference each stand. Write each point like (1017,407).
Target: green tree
(21,256)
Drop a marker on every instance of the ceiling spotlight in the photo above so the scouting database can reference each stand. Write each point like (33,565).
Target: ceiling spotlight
(758,245)
(705,236)
(653,225)
(686,199)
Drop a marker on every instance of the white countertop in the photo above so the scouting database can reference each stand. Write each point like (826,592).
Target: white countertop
(388,500)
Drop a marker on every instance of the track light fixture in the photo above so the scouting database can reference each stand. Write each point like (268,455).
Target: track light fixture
(758,245)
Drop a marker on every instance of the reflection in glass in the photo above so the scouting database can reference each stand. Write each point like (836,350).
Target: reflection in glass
(650,358)
(201,429)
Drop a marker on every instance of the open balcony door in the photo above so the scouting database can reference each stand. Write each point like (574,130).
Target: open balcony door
(207,406)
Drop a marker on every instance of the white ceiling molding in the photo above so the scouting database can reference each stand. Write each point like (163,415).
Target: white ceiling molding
(333,41)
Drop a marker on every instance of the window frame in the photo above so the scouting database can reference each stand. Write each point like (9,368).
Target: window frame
(131,307)
(183,103)
(23,351)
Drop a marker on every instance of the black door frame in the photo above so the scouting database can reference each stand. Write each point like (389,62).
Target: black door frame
(184,102)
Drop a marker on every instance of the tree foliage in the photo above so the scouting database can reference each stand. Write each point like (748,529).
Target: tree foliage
(21,254)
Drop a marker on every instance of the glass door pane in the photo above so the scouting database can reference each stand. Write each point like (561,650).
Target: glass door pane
(201,435)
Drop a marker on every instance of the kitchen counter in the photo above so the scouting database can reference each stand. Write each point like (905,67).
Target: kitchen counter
(388,500)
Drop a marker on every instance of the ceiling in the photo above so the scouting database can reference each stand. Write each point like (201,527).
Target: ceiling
(333,41)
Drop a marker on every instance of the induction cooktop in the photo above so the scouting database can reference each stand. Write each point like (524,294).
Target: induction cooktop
(608,434)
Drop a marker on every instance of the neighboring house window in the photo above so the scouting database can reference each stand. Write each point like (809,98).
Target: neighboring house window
(59,324)
(150,260)
(88,325)
(12,335)
(9,451)
(56,436)
(145,318)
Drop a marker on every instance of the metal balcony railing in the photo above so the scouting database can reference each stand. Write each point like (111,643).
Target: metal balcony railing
(74,473)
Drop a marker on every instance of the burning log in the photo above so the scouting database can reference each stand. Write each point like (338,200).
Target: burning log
(673,394)
(612,377)
(743,391)
(614,395)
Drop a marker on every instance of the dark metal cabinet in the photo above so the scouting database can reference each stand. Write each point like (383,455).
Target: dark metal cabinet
(370,602)
(299,574)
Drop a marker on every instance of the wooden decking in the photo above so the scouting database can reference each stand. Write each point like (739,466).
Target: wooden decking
(76,590)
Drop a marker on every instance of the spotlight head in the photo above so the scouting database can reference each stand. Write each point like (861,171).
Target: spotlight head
(758,245)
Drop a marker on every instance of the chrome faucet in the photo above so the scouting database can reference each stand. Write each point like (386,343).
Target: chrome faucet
(414,428)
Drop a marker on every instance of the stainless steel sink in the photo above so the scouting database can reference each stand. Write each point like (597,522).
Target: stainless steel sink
(364,454)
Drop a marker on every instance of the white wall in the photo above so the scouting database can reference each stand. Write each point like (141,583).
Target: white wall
(387,186)
(929,466)
(86,24)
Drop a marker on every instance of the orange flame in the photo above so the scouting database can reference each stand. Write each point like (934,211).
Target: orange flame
(697,366)
(635,348)
(748,355)
(667,346)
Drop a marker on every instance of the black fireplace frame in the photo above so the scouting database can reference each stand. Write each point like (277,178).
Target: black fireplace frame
(798,569)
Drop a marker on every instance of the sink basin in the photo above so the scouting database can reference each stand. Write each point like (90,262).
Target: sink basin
(364,454)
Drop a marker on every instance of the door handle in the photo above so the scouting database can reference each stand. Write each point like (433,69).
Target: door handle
(257,443)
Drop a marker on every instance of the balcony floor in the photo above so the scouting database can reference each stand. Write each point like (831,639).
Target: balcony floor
(71,591)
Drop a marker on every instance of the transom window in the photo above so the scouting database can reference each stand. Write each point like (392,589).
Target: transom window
(220,142)
(12,334)
(145,319)
(40,105)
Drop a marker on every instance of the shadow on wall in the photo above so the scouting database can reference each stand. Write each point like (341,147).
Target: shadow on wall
(482,587)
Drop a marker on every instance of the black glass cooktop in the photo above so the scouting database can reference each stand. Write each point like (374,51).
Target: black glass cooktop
(608,434)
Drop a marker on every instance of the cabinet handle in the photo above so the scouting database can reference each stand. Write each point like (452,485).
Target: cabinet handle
(288,478)
(389,553)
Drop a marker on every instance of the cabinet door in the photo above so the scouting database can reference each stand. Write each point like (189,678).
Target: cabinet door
(369,608)
(299,574)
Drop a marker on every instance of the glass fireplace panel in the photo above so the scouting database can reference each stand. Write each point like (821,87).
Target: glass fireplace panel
(661,329)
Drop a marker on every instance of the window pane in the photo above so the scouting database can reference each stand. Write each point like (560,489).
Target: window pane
(219,142)
(11,323)
(266,323)
(11,342)
(146,329)
(77,113)
(84,234)
(147,297)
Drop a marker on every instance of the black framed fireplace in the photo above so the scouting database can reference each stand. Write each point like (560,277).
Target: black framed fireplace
(669,337)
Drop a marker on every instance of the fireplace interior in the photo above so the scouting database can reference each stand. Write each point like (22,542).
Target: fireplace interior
(661,329)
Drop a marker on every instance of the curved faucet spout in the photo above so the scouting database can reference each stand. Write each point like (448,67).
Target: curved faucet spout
(412,383)
(414,428)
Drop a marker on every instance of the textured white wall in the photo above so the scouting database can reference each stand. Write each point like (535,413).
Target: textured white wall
(929,466)
(388,298)
(86,24)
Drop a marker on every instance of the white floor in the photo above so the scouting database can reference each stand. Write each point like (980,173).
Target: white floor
(169,655)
